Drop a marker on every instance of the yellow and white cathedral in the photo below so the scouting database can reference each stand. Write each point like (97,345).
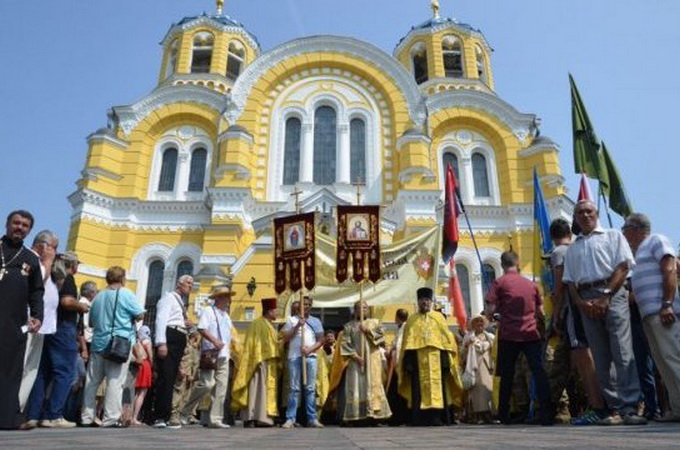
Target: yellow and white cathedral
(189,178)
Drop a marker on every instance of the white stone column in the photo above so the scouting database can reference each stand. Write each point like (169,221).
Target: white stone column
(468,183)
(182,174)
(307,153)
(342,168)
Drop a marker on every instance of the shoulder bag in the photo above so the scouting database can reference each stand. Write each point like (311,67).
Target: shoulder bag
(118,349)
(209,357)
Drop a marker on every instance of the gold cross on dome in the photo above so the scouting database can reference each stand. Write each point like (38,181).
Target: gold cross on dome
(220,7)
(434,4)
(296,193)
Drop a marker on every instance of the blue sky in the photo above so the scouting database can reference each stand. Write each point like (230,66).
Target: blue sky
(66,62)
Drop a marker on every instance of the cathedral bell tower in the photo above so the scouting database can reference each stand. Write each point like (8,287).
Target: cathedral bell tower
(444,54)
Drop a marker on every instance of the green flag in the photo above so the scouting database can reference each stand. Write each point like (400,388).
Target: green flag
(588,157)
(618,200)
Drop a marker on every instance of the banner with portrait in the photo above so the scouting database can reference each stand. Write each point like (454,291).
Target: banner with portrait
(294,248)
(358,241)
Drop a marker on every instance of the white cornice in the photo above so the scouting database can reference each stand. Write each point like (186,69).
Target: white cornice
(409,138)
(329,44)
(105,137)
(93,173)
(207,21)
(238,134)
(128,117)
(541,147)
(522,125)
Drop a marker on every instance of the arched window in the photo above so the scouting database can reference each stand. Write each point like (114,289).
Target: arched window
(419,58)
(235,58)
(451,158)
(185,267)
(325,138)
(481,66)
(453,57)
(480,175)
(464,283)
(488,278)
(291,151)
(202,52)
(154,290)
(357,151)
(199,158)
(171,63)
(166,182)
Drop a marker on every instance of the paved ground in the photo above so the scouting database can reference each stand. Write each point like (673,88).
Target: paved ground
(654,436)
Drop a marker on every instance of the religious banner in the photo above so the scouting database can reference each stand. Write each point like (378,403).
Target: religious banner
(294,248)
(358,240)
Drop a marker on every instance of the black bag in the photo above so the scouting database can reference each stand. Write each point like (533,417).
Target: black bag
(118,350)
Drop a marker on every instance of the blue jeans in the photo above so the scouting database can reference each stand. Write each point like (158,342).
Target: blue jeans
(57,367)
(295,376)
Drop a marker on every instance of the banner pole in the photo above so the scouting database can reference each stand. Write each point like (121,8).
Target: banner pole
(474,241)
(361,322)
(302,340)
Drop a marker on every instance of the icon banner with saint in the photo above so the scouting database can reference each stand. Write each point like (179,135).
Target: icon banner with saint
(358,240)
(293,250)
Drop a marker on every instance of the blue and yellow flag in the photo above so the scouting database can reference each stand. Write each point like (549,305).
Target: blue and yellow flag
(543,245)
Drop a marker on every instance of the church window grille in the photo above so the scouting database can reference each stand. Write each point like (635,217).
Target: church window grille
(488,278)
(357,138)
(463,276)
(325,145)
(199,158)
(480,175)
(166,182)
(235,58)
(154,290)
(453,57)
(202,52)
(291,151)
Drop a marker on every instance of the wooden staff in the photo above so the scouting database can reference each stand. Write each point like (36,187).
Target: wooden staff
(361,321)
(302,339)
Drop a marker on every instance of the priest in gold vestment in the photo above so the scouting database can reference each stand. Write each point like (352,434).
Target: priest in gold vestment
(255,386)
(428,367)
(361,393)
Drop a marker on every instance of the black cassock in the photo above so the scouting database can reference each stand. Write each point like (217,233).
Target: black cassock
(21,287)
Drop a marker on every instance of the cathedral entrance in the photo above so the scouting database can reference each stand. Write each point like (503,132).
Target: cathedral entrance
(332,318)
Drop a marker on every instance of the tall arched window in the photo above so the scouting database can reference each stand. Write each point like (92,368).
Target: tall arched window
(453,57)
(154,290)
(357,151)
(464,282)
(171,62)
(185,267)
(451,158)
(166,182)
(488,278)
(481,66)
(325,144)
(202,52)
(480,175)
(235,58)
(419,58)
(291,151)
(199,158)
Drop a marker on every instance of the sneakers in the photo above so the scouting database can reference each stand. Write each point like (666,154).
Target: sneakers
(219,425)
(187,420)
(588,418)
(315,424)
(28,425)
(634,419)
(288,425)
(57,423)
(611,420)
(174,425)
(160,424)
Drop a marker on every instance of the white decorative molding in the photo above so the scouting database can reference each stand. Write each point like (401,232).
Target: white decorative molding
(260,245)
(236,134)
(92,271)
(208,21)
(128,117)
(522,125)
(408,138)
(219,260)
(93,174)
(105,135)
(543,145)
(328,44)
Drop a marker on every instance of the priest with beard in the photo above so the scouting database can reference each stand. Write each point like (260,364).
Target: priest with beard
(428,366)
(21,289)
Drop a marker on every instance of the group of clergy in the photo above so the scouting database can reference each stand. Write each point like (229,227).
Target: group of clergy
(357,380)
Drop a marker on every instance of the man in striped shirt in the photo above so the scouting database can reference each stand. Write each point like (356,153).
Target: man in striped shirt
(655,288)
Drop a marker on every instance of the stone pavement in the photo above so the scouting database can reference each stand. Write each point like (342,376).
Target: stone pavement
(654,436)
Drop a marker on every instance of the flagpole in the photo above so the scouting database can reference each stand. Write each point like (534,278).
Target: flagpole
(474,241)
(606,206)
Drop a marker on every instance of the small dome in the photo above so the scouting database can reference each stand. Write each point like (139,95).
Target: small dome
(443,22)
(221,19)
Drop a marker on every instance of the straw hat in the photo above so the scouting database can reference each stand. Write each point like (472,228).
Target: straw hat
(472,321)
(221,291)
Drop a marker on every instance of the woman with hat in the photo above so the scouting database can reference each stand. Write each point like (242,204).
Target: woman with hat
(478,373)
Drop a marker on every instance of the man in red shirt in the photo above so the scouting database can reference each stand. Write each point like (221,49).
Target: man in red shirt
(519,305)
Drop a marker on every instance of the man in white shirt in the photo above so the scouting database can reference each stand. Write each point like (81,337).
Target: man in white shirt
(172,324)
(44,246)
(595,269)
(215,327)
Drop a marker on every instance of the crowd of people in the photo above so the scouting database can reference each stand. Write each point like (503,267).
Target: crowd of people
(610,355)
